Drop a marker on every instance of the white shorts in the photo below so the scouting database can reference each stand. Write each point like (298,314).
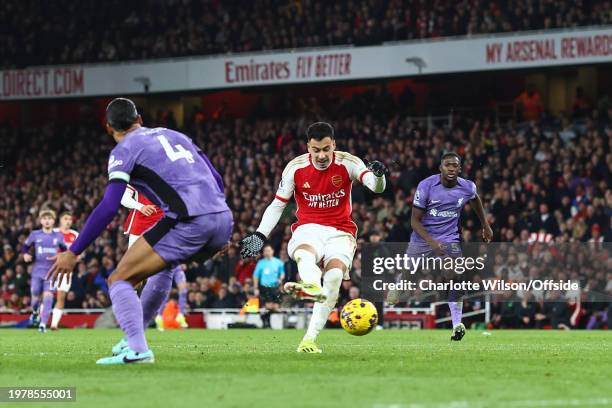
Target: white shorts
(329,243)
(65,284)
(131,239)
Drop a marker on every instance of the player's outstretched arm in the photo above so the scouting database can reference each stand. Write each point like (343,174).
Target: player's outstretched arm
(252,244)
(372,176)
(487,232)
(97,221)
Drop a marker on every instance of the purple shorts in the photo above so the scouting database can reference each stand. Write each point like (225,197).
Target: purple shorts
(417,249)
(40,284)
(196,238)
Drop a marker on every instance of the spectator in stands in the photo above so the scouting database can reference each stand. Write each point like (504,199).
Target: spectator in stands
(529,103)
(223,301)
(566,187)
(36,33)
(581,106)
(71,301)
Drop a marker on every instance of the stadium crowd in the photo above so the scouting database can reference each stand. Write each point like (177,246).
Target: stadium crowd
(549,179)
(123,30)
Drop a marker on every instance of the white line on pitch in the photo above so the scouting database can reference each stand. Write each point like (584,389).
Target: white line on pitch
(509,404)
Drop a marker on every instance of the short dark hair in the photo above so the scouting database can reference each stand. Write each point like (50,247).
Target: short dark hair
(446,155)
(319,131)
(121,113)
(66,212)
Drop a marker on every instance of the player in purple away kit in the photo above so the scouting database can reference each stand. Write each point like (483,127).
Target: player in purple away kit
(46,243)
(436,208)
(177,176)
(181,284)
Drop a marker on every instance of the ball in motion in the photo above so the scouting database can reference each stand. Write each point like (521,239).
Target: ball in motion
(358,317)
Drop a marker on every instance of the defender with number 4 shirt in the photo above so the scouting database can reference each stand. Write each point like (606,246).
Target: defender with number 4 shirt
(321,182)
(177,176)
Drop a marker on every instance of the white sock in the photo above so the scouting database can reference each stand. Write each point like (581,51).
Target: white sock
(56,316)
(307,266)
(320,312)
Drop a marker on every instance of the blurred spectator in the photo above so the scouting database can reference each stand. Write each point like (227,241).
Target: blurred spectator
(35,33)
(529,104)
(531,180)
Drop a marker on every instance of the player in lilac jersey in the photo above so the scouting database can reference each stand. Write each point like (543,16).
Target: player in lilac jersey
(178,177)
(181,284)
(46,243)
(436,208)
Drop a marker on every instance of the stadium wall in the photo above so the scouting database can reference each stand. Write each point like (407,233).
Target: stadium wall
(434,56)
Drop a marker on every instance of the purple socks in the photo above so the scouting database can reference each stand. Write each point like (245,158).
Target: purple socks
(456,309)
(128,312)
(35,304)
(47,307)
(154,295)
(182,300)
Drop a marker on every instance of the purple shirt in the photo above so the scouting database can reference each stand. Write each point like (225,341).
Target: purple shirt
(442,207)
(45,245)
(170,170)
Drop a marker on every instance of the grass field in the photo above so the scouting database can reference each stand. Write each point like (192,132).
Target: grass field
(248,368)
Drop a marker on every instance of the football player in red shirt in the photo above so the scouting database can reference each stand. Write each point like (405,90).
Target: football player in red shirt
(63,287)
(143,215)
(320,181)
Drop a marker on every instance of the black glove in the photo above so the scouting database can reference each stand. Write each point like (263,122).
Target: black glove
(252,244)
(378,168)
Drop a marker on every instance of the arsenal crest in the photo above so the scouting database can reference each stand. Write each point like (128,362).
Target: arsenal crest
(336,180)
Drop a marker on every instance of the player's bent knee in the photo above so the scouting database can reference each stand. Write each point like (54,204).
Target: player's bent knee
(124,275)
(336,264)
(305,253)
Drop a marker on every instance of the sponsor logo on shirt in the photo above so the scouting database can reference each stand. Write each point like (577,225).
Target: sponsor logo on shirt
(324,200)
(459,201)
(306,185)
(446,214)
(114,163)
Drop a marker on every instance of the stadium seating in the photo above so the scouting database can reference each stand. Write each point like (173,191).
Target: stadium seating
(64,167)
(151,29)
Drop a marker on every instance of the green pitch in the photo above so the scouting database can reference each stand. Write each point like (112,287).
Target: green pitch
(249,368)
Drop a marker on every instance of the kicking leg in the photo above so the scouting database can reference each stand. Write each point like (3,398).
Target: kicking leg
(334,271)
(310,274)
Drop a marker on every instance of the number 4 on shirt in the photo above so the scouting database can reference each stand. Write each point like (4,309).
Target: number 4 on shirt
(179,153)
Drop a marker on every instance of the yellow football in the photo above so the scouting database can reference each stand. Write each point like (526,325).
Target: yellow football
(359,317)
